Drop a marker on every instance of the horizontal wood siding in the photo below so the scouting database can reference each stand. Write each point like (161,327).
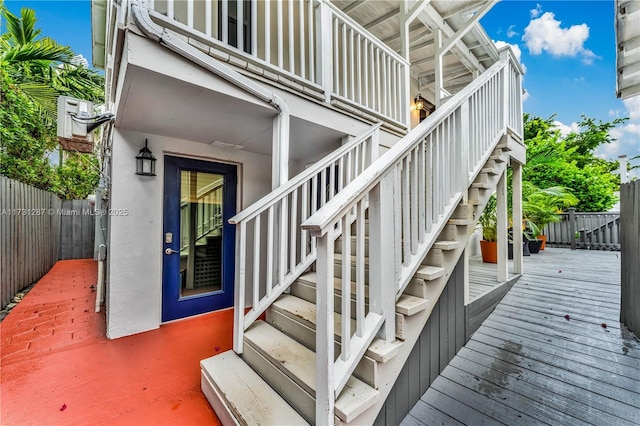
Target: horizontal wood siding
(440,340)
(35,232)
(630,253)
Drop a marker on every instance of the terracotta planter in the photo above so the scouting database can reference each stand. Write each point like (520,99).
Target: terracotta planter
(543,238)
(489,251)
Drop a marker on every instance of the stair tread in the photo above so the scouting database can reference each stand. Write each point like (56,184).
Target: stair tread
(490,171)
(497,158)
(305,312)
(299,364)
(410,305)
(311,278)
(429,273)
(250,399)
(460,221)
(482,185)
(382,351)
(447,245)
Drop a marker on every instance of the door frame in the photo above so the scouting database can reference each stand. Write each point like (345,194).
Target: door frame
(173,306)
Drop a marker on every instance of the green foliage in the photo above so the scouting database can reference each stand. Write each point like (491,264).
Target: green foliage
(77,177)
(33,73)
(542,206)
(488,220)
(25,140)
(570,162)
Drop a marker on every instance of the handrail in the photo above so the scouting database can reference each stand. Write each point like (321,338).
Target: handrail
(409,193)
(275,195)
(318,223)
(271,250)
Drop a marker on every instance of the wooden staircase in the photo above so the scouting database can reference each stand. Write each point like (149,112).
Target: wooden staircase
(273,381)
(360,249)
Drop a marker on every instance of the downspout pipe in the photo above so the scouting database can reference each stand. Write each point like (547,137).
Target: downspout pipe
(280,172)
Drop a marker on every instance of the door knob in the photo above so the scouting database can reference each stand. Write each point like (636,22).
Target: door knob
(170,251)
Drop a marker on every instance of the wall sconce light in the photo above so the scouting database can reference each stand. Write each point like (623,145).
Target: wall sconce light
(145,162)
(419,102)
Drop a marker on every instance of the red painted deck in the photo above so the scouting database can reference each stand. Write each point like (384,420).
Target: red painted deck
(59,368)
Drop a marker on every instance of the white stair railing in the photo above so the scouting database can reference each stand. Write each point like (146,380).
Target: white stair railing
(271,249)
(411,192)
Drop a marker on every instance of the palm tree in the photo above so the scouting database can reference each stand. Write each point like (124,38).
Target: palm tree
(40,67)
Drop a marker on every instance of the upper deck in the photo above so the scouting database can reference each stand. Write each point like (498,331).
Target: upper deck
(365,59)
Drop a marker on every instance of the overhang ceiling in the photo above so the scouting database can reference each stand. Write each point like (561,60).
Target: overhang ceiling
(475,52)
(160,105)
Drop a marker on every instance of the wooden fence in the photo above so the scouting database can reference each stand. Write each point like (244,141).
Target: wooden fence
(630,254)
(36,230)
(595,231)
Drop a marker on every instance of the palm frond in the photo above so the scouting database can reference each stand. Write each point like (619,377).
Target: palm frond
(40,50)
(44,97)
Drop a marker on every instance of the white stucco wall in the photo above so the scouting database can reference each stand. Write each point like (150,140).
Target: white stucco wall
(134,280)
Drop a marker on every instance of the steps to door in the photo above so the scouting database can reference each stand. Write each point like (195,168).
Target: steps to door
(279,357)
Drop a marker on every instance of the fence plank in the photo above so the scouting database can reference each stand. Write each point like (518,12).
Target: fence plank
(630,247)
(30,234)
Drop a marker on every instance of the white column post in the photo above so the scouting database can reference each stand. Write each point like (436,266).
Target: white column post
(324,40)
(622,159)
(503,266)
(439,83)
(516,183)
(280,151)
(325,381)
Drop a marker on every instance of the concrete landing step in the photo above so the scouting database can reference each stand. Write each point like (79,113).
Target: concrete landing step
(291,369)
(430,273)
(240,396)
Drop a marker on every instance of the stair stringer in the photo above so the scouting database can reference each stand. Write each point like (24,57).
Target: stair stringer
(412,326)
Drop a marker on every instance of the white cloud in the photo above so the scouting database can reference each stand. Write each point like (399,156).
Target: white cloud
(511,32)
(633,107)
(627,136)
(566,129)
(545,34)
(536,12)
(525,95)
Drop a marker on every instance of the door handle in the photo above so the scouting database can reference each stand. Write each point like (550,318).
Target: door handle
(170,251)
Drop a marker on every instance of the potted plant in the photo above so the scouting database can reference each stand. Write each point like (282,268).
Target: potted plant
(488,222)
(541,207)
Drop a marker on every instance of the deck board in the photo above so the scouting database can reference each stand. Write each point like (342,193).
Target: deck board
(528,364)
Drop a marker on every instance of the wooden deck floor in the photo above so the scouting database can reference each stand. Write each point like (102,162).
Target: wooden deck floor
(483,277)
(544,355)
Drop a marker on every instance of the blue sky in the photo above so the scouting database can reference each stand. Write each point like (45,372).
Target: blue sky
(569,51)
(567,48)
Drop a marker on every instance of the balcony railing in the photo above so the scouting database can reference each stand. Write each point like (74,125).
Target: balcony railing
(311,43)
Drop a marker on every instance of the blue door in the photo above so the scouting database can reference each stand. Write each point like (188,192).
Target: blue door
(198,242)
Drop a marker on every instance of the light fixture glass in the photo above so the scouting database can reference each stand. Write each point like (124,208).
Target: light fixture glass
(419,102)
(145,161)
